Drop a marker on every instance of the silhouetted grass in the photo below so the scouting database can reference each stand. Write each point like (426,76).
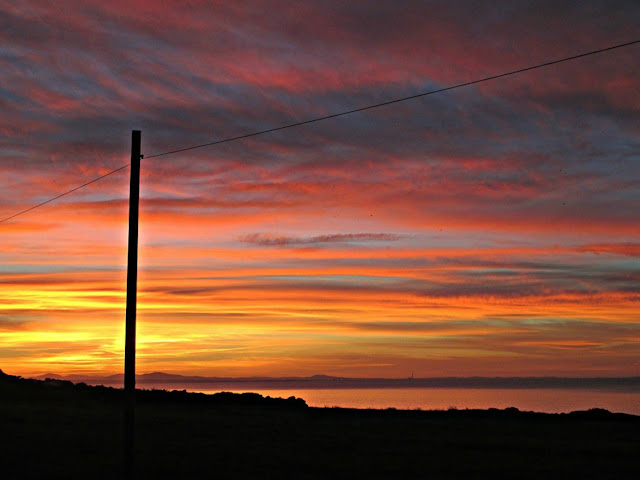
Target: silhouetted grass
(61,430)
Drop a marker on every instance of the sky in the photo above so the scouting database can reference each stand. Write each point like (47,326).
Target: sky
(490,230)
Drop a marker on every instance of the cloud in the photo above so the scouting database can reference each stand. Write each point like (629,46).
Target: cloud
(628,249)
(9,323)
(510,201)
(271,240)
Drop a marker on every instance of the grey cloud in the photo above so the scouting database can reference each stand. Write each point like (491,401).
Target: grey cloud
(267,240)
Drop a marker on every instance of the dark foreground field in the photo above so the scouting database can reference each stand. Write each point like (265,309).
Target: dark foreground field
(58,430)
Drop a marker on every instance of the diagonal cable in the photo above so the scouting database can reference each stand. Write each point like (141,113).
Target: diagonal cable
(397,100)
(340,114)
(65,193)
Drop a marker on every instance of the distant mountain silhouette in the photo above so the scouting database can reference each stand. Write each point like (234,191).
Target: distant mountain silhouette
(328,381)
(17,387)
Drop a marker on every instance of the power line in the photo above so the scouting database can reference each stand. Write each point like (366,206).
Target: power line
(65,193)
(398,100)
(340,114)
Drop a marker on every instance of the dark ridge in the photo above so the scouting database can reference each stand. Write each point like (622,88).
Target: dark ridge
(506,414)
(60,430)
(16,387)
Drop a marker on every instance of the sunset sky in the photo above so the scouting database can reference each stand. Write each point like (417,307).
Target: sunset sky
(491,230)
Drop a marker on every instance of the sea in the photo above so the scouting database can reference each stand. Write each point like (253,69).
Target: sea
(548,400)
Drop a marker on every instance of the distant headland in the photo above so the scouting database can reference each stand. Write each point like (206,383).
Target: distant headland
(327,381)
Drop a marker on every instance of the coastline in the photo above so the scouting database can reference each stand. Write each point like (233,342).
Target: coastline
(57,429)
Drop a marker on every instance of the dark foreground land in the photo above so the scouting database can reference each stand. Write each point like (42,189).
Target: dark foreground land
(55,429)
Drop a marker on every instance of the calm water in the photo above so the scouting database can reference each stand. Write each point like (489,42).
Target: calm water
(538,400)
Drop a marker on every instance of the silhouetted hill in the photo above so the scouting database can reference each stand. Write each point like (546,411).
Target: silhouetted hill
(63,430)
(18,387)
(11,385)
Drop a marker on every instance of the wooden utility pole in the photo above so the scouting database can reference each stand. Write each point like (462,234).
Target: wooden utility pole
(130,335)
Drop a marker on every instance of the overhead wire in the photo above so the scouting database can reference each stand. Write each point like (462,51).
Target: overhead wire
(335,115)
(66,193)
(397,100)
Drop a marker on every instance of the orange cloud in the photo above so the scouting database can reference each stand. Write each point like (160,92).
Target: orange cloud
(488,230)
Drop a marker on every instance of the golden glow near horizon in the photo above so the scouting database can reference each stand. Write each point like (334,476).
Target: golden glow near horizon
(491,230)
(286,310)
